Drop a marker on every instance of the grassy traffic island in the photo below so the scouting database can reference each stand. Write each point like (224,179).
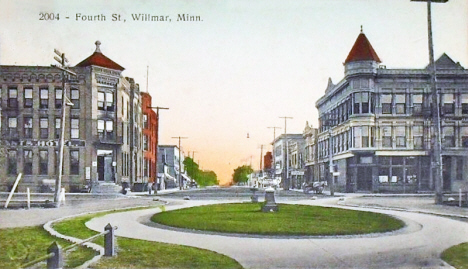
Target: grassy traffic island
(290,220)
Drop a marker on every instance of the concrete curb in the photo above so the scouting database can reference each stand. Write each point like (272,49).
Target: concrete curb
(93,246)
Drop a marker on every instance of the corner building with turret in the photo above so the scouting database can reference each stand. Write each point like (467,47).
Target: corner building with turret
(103,127)
(380,125)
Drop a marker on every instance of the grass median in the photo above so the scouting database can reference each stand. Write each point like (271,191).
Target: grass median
(457,256)
(290,220)
(133,253)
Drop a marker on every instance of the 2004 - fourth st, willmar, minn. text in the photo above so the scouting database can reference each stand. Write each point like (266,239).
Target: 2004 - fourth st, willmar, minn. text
(115,17)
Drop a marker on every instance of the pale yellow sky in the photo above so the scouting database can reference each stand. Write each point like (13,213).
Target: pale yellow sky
(243,66)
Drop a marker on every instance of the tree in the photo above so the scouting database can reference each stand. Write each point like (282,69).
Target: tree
(203,178)
(241,174)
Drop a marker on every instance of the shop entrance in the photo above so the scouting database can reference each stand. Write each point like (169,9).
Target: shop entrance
(104,165)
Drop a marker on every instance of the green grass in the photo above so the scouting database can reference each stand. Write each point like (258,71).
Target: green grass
(21,245)
(132,253)
(247,218)
(457,256)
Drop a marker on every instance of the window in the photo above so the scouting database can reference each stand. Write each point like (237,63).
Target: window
(44,94)
(417,103)
(145,142)
(361,137)
(386,101)
(110,129)
(109,101)
(75,98)
(100,126)
(400,103)
(12,162)
(357,103)
(58,98)
(145,121)
(28,125)
(58,129)
(13,98)
(28,98)
(464,103)
(418,136)
(400,135)
(386,136)
(44,127)
(13,126)
(448,103)
(43,162)
(74,128)
(449,138)
(365,102)
(101,100)
(74,162)
(27,164)
(464,136)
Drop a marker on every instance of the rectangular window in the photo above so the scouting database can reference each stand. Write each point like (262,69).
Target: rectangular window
(400,103)
(386,101)
(74,162)
(27,162)
(101,100)
(74,128)
(43,162)
(13,98)
(365,102)
(145,121)
(12,162)
(417,103)
(58,129)
(400,135)
(145,142)
(418,135)
(100,126)
(464,136)
(110,129)
(28,98)
(13,126)
(448,102)
(58,98)
(75,98)
(28,127)
(464,103)
(386,136)
(449,136)
(44,127)
(365,136)
(109,101)
(44,98)
(357,103)
(357,137)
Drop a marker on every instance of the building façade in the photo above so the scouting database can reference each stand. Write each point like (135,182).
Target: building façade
(103,126)
(376,125)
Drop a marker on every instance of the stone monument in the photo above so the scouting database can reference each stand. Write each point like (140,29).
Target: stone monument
(270,204)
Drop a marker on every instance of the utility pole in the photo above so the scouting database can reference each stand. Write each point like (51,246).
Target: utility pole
(436,141)
(60,58)
(273,150)
(180,167)
(157,135)
(286,176)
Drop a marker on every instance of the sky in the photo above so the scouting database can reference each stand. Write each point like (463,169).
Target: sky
(241,67)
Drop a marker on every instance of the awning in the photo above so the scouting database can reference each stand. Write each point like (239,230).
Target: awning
(186,177)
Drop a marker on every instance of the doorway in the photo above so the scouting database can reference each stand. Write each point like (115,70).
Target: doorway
(104,166)
(364,178)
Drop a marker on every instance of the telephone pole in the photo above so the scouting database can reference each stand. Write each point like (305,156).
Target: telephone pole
(286,176)
(60,58)
(180,166)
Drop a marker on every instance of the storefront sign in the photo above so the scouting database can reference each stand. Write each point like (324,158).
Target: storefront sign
(42,143)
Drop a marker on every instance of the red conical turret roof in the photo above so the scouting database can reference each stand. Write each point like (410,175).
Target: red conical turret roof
(362,50)
(99,59)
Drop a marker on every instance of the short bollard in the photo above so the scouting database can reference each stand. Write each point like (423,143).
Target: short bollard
(270,204)
(254,196)
(56,261)
(109,241)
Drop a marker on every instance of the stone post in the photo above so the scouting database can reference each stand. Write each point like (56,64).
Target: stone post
(109,241)
(270,204)
(254,196)
(56,261)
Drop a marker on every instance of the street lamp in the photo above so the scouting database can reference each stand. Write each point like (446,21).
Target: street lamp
(436,142)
